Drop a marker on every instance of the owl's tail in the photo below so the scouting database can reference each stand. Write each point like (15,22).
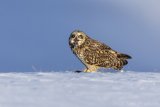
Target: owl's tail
(122,60)
(119,64)
(124,56)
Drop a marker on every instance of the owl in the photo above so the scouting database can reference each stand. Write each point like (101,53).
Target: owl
(94,54)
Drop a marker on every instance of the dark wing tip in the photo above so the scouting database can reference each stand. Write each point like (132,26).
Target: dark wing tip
(125,56)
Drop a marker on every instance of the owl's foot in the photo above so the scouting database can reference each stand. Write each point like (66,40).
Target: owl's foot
(88,71)
(91,69)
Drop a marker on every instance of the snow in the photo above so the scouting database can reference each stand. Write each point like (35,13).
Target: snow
(68,89)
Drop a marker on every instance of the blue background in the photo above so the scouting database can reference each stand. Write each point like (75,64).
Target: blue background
(34,33)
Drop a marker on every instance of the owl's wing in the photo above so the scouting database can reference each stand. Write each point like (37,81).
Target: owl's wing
(98,45)
(100,54)
(103,49)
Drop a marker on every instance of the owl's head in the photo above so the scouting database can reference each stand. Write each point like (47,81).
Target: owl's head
(77,38)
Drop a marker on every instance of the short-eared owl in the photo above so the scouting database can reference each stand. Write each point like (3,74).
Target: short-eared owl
(94,54)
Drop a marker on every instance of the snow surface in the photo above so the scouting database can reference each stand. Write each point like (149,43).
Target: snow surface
(68,89)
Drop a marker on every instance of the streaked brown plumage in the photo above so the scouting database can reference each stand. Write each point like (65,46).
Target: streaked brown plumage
(94,54)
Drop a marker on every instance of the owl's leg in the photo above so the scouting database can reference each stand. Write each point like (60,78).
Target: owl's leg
(91,69)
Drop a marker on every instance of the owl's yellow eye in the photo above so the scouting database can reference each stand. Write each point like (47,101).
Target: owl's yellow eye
(73,36)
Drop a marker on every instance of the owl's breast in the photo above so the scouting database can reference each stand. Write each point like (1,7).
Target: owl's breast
(80,53)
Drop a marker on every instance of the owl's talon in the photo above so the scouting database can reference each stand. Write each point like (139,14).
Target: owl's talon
(90,70)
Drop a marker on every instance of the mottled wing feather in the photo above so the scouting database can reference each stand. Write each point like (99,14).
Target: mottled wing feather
(100,54)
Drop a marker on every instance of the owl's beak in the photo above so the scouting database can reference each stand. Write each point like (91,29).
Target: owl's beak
(72,41)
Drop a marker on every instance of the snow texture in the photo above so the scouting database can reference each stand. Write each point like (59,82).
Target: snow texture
(68,89)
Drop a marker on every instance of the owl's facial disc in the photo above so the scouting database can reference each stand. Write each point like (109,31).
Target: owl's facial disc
(76,39)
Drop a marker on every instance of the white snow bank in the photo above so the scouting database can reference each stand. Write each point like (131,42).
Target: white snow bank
(68,89)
